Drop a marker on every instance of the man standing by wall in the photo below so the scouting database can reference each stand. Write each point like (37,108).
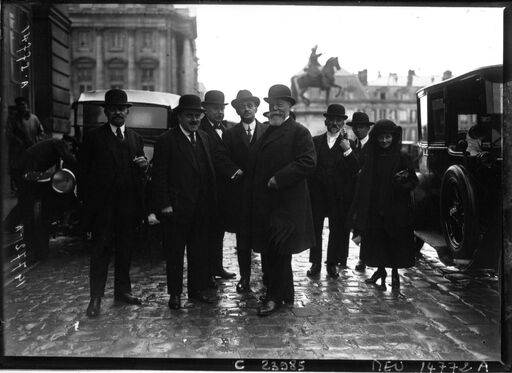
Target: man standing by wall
(212,123)
(183,182)
(332,187)
(276,214)
(112,169)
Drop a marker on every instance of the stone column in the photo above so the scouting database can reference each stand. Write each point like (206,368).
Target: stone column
(162,78)
(174,66)
(100,83)
(186,64)
(132,80)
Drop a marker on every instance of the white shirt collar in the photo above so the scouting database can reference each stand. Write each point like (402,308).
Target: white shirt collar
(114,128)
(364,140)
(251,125)
(186,133)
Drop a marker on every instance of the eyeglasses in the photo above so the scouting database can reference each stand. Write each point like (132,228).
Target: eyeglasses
(335,120)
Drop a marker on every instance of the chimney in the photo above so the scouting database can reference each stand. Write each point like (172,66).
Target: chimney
(447,75)
(363,77)
(393,78)
(410,76)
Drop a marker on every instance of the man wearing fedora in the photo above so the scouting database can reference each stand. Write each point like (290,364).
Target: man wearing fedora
(112,170)
(276,211)
(360,124)
(183,181)
(213,124)
(331,187)
(238,140)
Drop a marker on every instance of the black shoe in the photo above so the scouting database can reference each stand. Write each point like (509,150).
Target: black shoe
(174,302)
(268,308)
(127,298)
(243,286)
(225,274)
(376,275)
(395,281)
(360,266)
(200,298)
(93,309)
(314,270)
(212,283)
(331,271)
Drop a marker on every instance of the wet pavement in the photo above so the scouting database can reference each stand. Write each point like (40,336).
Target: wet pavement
(438,314)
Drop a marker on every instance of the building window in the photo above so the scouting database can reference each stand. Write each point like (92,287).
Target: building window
(392,115)
(147,39)
(148,87)
(83,40)
(405,96)
(147,75)
(84,74)
(116,72)
(85,87)
(402,115)
(116,40)
(382,95)
(412,116)
(382,113)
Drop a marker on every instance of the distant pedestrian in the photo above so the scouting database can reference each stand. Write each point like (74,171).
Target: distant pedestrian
(331,189)
(360,124)
(383,204)
(112,177)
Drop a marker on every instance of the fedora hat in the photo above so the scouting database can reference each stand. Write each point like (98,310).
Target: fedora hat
(360,118)
(243,96)
(116,97)
(280,91)
(336,110)
(214,98)
(189,102)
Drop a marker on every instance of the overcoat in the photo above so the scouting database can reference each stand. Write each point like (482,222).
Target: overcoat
(287,153)
(174,174)
(97,171)
(237,146)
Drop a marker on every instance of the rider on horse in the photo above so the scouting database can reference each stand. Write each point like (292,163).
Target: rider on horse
(313,68)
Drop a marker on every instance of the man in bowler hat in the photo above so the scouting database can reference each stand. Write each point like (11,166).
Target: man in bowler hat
(112,170)
(331,187)
(360,124)
(213,124)
(238,140)
(183,182)
(276,213)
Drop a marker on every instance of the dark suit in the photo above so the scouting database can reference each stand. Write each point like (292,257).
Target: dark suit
(112,190)
(237,145)
(332,188)
(287,153)
(183,177)
(218,222)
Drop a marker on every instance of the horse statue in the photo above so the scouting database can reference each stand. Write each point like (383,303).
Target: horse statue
(314,77)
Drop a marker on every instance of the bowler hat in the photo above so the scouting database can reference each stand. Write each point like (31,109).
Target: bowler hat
(243,96)
(189,102)
(116,97)
(360,118)
(335,110)
(280,91)
(214,98)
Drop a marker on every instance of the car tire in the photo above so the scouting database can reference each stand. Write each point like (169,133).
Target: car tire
(459,215)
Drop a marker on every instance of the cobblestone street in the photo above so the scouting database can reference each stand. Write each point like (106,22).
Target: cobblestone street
(438,314)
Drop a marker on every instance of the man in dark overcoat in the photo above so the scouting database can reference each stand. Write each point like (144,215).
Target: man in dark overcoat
(332,187)
(276,215)
(213,124)
(238,140)
(361,125)
(112,170)
(183,185)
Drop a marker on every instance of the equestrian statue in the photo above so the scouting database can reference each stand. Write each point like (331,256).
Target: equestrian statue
(316,76)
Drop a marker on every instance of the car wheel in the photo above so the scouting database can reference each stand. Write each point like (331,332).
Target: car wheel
(459,218)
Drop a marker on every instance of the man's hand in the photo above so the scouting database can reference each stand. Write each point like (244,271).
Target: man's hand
(142,162)
(238,175)
(345,144)
(272,183)
(167,211)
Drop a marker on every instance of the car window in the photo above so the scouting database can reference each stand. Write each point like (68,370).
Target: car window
(141,116)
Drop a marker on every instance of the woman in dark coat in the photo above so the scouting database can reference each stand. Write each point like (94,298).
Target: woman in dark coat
(383,211)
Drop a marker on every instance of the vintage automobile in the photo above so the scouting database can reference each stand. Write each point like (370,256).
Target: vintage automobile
(458,203)
(150,115)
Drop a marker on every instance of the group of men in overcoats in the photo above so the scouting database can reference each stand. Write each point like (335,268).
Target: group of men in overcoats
(270,183)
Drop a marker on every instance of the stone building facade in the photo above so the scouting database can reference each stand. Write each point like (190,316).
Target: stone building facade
(392,97)
(148,47)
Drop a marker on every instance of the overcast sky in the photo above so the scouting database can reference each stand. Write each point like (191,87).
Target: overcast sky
(255,46)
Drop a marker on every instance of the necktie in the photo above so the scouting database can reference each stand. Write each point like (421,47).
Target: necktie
(249,133)
(119,134)
(193,139)
(358,146)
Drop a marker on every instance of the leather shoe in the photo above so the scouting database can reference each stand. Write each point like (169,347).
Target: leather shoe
(127,298)
(94,307)
(268,308)
(174,302)
(360,266)
(200,297)
(314,270)
(331,271)
(212,283)
(243,286)
(225,274)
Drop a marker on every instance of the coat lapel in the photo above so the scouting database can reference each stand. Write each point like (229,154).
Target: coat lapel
(204,141)
(130,139)
(241,132)
(276,134)
(109,139)
(186,148)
